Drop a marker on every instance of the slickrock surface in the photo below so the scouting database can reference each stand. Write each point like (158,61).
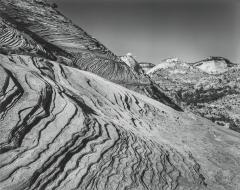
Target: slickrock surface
(209,88)
(14,41)
(63,38)
(62,128)
(72,46)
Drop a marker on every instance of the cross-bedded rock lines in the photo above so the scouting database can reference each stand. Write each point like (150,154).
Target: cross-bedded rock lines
(56,143)
(37,29)
(13,40)
(66,129)
(50,28)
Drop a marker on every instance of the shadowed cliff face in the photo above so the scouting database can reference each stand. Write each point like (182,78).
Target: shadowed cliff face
(64,128)
(209,88)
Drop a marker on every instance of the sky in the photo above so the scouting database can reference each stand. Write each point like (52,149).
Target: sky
(153,30)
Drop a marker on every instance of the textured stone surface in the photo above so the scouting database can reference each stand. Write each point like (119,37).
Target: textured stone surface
(214,65)
(63,38)
(215,96)
(64,128)
(146,66)
(72,46)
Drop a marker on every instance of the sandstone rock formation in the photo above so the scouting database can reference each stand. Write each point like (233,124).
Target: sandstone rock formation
(72,46)
(214,65)
(62,128)
(131,62)
(166,63)
(209,88)
(139,67)
(146,66)
(65,128)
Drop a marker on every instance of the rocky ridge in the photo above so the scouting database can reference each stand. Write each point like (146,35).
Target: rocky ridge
(62,128)
(72,46)
(146,66)
(214,65)
(213,93)
(65,128)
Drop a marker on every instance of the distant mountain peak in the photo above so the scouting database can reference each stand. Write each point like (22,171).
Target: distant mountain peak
(214,65)
(172,59)
(167,63)
(129,60)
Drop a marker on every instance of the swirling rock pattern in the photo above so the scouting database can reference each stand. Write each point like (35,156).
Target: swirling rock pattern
(62,128)
(14,41)
(70,45)
(41,20)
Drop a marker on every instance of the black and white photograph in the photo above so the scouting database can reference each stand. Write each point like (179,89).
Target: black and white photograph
(119,95)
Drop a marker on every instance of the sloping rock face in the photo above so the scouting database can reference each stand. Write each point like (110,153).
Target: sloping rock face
(213,96)
(146,66)
(167,63)
(49,27)
(72,46)
(13,41)
(62,128)
(131,62)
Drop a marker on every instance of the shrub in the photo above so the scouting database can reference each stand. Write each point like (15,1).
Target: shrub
(54,5)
